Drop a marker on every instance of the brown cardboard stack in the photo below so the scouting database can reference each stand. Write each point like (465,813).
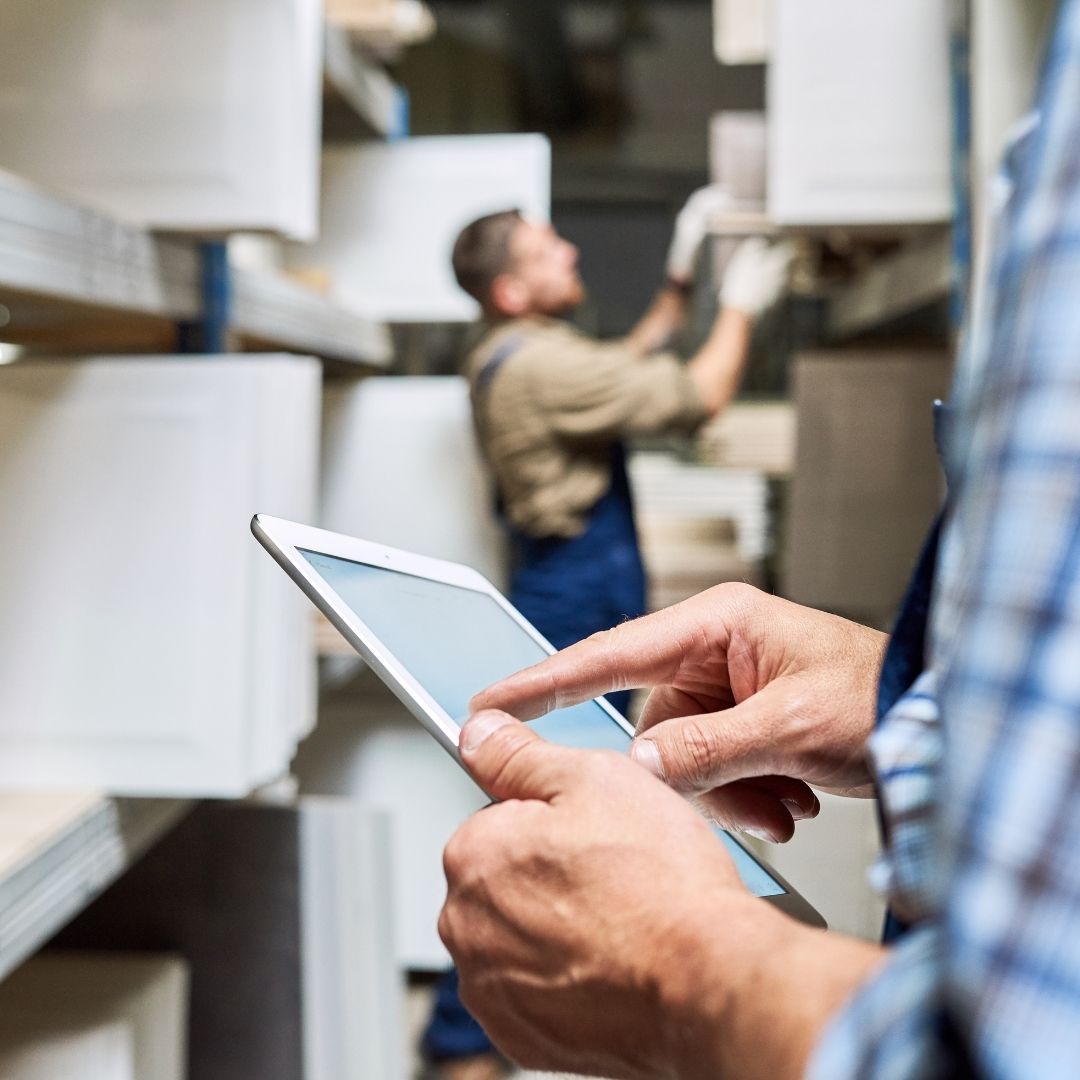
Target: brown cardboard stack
(867,482)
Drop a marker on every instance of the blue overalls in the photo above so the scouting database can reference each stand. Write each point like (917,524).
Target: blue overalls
(571,588)
(568,588)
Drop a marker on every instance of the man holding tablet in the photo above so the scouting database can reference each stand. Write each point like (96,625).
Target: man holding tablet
(596,928)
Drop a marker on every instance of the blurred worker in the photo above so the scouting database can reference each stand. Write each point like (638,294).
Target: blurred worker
(553,408)
(601,929)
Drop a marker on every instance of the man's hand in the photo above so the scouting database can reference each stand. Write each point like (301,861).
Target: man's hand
(691,227)
(600,927)
(756,276)
(755,697)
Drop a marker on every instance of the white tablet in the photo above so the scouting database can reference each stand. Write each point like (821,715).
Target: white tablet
(437,633)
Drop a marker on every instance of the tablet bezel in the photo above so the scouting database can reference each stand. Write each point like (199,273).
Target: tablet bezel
(287,540)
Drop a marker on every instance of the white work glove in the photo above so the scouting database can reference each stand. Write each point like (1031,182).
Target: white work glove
(756,276)
(691,227)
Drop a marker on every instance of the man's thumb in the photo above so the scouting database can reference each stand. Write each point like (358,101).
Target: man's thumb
(693,754)
(508,759)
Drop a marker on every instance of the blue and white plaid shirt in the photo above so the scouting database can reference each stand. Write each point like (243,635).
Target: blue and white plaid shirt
(979,763)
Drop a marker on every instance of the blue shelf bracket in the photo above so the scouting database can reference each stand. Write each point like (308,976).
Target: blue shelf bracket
(210,332)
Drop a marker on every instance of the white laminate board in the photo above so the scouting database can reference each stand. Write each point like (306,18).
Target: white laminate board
(391,213)
(737,144)
(859,113)
(401,467)
(102,99)
(270,307)
(354,989)
(146,993)
(664,486)
(58,852)
(37,1050)
(57,249)
(363,83)
(148,647)
(367,747)
(741,30)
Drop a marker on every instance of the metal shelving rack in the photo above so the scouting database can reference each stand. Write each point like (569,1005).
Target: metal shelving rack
(75,280)
(58,852)
(69,275)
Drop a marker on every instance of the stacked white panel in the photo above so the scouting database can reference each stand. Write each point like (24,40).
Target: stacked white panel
(147,645)
(369,749)
(741,30)
(112,1015)
(179,114)
(859,112)
(390,214)
(353,987)
(430,492)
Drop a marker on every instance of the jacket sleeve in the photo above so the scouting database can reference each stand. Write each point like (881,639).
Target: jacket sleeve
(591,390)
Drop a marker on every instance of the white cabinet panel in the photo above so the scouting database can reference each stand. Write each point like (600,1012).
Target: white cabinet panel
(401,467)
(60,994)
(391,213)
(859,112)
(97,1052)
(741,30)
(353,989)
(185,114)
(368,748)
(147,645)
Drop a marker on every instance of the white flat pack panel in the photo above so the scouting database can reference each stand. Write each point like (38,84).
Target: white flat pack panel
(741,30)
(367,747)
(353,986)
(43,1052)
(61,992)
(391,213)
(859,113)
(181,114)
(737,144)
(401,467)
(147,646)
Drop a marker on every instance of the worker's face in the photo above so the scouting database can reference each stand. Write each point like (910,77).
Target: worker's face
(543,277)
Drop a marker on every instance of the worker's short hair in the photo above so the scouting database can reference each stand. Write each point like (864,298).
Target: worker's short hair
(482,253)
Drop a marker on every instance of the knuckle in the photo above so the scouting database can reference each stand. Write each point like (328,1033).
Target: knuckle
(508,747)
(455,855)
(694,756)
(445,927)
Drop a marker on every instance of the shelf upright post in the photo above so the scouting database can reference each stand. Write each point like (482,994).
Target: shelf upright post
(210,333)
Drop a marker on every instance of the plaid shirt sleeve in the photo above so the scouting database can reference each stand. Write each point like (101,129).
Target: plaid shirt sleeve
(979,765)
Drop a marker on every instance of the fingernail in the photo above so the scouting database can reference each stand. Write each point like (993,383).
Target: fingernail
(479,727)
(761,834)
(644,752)
(798,813)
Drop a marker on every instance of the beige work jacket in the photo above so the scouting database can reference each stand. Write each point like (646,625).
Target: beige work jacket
(548,414)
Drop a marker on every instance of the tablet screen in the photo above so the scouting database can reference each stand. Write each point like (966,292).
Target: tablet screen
(456,641)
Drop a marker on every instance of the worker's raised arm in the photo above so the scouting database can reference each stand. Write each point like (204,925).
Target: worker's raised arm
(755,279)
(667,312)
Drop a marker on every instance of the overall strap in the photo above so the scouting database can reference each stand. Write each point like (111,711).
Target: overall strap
(499,356)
